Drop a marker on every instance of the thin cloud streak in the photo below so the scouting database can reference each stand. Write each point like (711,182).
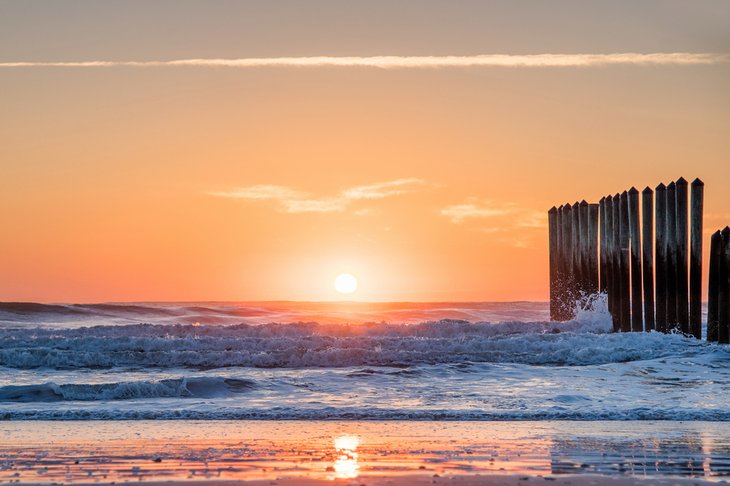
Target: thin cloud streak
(410,62)
(293,201)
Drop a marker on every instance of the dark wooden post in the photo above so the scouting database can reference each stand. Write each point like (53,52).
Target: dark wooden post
(682,272)
(647,258)
(695,258)
(660,247)
(713,286)
(616,250)
(559,275)
(577,278)
(723,302)
(603,257)
(637,323)
(593,248)
(671,257)
(584,263)
(624,235)
(567,293)
(553,245)
(609,255)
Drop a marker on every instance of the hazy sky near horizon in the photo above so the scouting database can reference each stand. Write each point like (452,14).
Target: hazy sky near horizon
(257,179)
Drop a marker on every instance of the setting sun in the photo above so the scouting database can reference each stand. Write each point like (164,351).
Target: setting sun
(345,283)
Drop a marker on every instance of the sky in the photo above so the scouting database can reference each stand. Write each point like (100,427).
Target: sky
(254,150)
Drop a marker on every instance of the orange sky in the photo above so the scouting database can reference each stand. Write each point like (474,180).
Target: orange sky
(210,183)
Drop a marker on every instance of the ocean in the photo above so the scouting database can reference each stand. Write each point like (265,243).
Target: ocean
(348,361)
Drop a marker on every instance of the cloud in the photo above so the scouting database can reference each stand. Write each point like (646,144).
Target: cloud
(382,189)
(263,191)
(294,201)
(409,62)
(484,209)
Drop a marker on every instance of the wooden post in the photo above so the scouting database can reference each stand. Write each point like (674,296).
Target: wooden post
(637,322)
(647,258)
(695,258)
(567,293)
(660,247)
(624,235)
(577,264)
(616,250)
(682,272)
(593,281)
(672,257)
(553,245)
(602,256)
(559,276)
(609,254)
(585,224)
(713,287)
(723,301)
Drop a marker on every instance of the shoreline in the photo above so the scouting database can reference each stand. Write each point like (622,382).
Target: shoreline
(364,452)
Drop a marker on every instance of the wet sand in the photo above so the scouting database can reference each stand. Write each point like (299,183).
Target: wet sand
(371,453)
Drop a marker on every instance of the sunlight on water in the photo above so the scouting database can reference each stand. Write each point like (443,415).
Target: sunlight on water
(346,466)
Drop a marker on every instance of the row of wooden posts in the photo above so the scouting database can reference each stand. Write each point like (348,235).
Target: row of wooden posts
(652,283)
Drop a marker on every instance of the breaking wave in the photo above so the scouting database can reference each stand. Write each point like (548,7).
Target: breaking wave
(197,387)
(587,340)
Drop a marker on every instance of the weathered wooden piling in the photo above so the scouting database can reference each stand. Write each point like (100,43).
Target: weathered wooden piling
(695,258)
(584,252)
(609,254)
(647,256)
(577,263)
(723,301)
(593,277)
(660,247)
(559,272)
(566,294)
(672,322)
(616,250)
(624,235)
(602,242)
(682,256)
(637,323)
(713,286)
(553,249)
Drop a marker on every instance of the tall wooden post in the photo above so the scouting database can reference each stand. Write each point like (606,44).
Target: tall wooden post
(647,256)
(682,257)
(695,258)
(553,246)
(672,322)
(585,231)
(616,250)
(713,287)
(567,294)
(593,210)
(723,302)
(577,264)
(559,276)
(609,256)
(660,247)
(637,323)
(602,242)
(624,236)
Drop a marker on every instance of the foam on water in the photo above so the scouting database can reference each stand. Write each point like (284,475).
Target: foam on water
(443,369)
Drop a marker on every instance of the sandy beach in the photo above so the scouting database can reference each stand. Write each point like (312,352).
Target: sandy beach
(372,453)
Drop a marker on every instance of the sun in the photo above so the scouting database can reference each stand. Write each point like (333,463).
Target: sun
(345,283)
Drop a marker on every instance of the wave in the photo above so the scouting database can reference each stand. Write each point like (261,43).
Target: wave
(370,413)
(196,387)
(587,340)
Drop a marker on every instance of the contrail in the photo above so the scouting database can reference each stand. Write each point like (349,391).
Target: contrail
(411,62)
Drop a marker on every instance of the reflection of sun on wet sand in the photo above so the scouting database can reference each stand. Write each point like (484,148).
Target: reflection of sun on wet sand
(306,452)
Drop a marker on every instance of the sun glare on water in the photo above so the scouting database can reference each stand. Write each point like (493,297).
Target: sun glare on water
(345,283)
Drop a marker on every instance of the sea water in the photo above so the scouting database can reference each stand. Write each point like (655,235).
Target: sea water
(348,361)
